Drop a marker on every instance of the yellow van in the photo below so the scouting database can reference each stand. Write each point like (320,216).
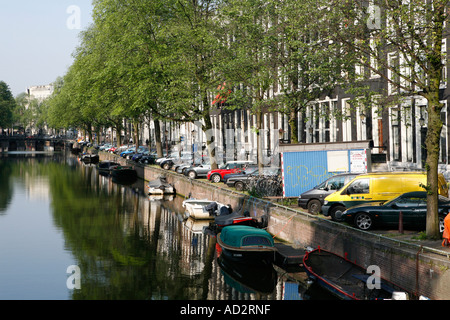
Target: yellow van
(377,187)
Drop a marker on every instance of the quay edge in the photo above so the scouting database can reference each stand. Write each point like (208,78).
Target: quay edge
(419,269)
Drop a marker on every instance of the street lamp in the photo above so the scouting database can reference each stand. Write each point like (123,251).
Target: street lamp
(280,135)
(362,116)
(421,119)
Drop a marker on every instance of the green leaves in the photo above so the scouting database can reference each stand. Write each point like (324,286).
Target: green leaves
(7,105)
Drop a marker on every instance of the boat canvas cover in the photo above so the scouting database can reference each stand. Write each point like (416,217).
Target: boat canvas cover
(157,183)
(245,236)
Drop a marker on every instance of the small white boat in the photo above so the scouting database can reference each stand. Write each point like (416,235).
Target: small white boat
(202,208)
(160,186)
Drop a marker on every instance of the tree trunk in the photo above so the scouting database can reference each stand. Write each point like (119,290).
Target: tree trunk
(136,133)
(293,123)
(119,132)
(432,161)
(259,140)
(158,138)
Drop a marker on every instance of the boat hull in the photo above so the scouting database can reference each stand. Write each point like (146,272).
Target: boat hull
(160,186)
(345,279)
(159,191)
(90,158)
(233,244)
(197,209)
(123,175)
(104,167)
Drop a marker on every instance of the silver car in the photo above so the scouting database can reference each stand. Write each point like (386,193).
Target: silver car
(199,171)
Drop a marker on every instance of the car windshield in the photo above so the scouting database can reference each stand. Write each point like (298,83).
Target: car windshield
(405,198)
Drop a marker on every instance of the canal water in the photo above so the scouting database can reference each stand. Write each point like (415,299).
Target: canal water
(68,233)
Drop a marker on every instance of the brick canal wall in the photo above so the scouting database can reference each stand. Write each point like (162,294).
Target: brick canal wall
(420,270)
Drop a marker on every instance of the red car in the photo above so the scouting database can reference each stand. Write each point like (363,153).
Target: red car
(230,167)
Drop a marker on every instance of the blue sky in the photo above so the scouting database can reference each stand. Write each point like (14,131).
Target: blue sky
(37,39)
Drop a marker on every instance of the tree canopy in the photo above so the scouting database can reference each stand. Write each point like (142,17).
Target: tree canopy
(7,105)
(165,59)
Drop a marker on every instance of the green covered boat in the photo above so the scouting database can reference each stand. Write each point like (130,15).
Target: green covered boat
(246,244)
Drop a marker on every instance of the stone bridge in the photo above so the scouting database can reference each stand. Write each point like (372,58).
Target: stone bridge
(24,143)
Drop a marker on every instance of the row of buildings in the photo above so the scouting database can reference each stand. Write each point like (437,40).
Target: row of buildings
(396,133)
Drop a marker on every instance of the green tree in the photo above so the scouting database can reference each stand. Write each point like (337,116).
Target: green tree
(7,105)
(309,65)
(249,68)
(400,41)
(194,50)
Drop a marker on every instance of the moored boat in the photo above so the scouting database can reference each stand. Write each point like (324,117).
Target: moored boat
(123,174)
(347,280)
(104,167)
(203,208)
(90,158)
(246,244)
(160,186)
(235,218)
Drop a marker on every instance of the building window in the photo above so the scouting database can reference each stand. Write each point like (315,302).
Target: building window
(443,137)
(325,121)
(393,75)
(346,121)
(444,62)
(395,123)
(408,133)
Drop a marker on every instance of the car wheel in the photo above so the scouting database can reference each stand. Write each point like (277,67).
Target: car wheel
(336,213)
(166,166)
(239,186)
(363,221)
(314,206)
(192,174)
(216,178)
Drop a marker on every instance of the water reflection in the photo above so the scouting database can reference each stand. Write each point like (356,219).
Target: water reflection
(128,245)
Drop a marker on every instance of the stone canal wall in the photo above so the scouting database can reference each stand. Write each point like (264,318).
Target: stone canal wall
(419,269)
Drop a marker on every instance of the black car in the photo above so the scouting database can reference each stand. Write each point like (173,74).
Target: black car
(241,181)
(248,170)
(412,205)
(148,158)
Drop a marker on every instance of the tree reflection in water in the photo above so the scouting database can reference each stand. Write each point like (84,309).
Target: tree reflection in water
(129,245)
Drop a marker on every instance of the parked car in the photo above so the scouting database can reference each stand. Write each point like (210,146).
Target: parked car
(241,181)
(171,156)
(377,186)
(149,158)
(249,169)
(181,167)
(229,167)
(120,149)
(137,156)
(199,171)
(412,205)
(105,146)
(313,199)
(124,153)
(184,161)
(140,150)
